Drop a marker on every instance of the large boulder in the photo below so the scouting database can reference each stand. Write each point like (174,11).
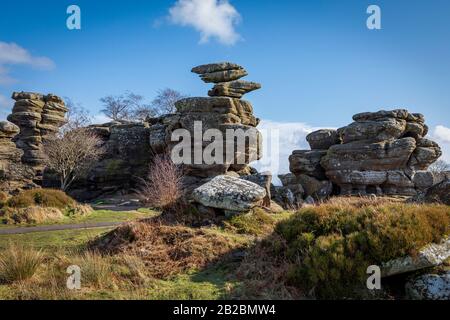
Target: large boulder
(378,156)
(307,162)
(323,139)
(229,193)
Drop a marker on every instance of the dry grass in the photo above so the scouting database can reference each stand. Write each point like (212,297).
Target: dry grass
(18,263)
(49,198)
(163,188)
(41,206)
(165,249)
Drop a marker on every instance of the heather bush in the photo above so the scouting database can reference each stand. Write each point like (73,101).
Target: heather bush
(330,246)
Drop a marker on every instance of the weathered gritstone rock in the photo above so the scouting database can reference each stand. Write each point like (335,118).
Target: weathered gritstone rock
(126,160)
(13,174)
(439,193)
(429,287)
(379,153)
(233,89)
(38,117)
(430,256)
(229,193)
(307,162)
(220,72)
(221,112)
(323,139)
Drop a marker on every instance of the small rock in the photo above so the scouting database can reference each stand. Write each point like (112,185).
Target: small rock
(429,287)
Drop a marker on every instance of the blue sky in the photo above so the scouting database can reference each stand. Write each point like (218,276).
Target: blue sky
(317,61)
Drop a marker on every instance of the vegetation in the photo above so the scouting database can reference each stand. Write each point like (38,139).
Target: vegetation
(330,246)
(72,153)
(18,263)
(320,250)
(163,188)
(40,206)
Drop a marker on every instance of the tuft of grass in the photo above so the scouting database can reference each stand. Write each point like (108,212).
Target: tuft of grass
(257,222)
(96,270)
(18,263)
(331,245)
(3,198)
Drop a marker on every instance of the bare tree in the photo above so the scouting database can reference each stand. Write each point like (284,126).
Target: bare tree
(72,153)
(143,112)
(123,107)
(439,166)
(77,117)
(164,103)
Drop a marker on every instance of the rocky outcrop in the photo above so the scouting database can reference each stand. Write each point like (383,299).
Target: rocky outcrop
(13,174)
(38,117)
(439,193)
(225,113)
(230,194)
(125,161)
(433,286)
(383,152)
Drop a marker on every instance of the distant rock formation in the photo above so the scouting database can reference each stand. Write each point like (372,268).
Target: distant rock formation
(37,117)
(34,118)
(379,153)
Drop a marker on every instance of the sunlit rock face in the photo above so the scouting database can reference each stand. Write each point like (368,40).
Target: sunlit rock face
(379,153)
(38,117)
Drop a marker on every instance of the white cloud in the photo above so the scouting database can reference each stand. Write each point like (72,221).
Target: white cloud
(291,136)
(441,135)
(13,54)
(212,18)
(100,118)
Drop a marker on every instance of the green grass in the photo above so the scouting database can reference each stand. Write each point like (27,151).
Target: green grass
(66,239)
(98,216)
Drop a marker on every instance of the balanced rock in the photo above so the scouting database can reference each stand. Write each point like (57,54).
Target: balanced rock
(13,174)
(220,72)
(233,89)
(229,193)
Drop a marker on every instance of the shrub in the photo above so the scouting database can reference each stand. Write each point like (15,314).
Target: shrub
(41,197)
(163,188)
(18,263)
(255,223)
(332,245)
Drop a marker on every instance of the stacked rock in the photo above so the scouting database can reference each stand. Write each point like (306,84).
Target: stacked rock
(383,152)
(222,110)
(38,117)
(13,175)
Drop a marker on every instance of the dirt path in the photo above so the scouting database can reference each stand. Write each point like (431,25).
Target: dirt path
(22,230)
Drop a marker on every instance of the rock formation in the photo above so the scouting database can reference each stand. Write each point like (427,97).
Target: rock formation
(383,152)
(37,117)
(13,174)
(223,110)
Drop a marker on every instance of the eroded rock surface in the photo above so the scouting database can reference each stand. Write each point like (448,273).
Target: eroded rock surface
(229,193)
